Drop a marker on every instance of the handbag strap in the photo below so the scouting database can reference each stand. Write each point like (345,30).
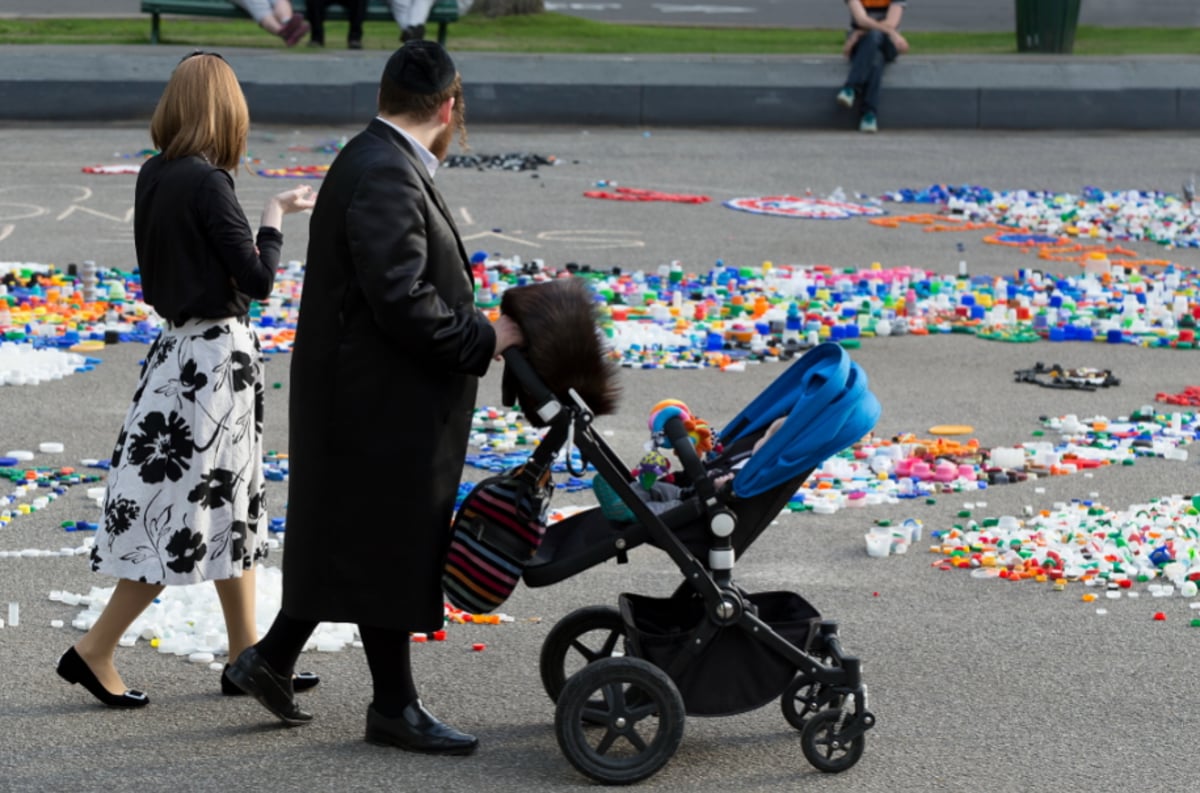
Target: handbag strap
(536,469)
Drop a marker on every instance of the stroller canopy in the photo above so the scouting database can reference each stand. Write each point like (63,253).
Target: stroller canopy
(828,406)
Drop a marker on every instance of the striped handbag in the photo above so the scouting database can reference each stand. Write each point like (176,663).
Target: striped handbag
(497,531)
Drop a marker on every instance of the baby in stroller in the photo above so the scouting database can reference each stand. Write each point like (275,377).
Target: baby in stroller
(657,486)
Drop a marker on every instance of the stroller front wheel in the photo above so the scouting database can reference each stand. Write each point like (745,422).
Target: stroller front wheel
(824,744)
(582,637)
(619,720)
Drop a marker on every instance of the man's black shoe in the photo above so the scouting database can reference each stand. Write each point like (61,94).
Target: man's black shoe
(253,675)
(417,730)
(412,33)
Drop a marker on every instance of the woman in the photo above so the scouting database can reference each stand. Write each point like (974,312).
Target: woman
(184,500)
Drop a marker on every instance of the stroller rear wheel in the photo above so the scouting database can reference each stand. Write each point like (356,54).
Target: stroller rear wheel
(824,745)
(619,720)
(582,637)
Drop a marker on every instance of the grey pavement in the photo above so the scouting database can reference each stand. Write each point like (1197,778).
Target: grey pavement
(978,685)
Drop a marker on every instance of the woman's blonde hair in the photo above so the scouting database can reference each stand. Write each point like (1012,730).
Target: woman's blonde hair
(202,111)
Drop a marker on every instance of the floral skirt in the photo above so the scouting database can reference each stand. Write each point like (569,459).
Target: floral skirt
(184,501)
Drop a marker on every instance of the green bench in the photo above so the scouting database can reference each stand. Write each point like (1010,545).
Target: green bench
(443,12)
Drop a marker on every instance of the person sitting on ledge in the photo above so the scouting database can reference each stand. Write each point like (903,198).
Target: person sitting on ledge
(277,18)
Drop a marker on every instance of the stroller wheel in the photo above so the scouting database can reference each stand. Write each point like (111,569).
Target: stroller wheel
(619,720)
(582,637)
(825,747)
(804,697)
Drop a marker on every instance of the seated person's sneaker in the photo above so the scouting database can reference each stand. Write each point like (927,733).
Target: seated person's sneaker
(294,29)
(868,123)
(845,97)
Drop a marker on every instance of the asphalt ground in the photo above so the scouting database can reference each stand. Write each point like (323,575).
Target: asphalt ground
(977,685)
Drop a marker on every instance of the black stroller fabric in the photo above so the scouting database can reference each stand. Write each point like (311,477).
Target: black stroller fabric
(734,672)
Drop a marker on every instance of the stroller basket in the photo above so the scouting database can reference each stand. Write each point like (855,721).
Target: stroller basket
(732,673)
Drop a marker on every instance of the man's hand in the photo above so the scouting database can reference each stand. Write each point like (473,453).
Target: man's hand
(508,334)
(900,42)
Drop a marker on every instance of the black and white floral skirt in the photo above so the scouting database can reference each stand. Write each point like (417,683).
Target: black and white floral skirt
(185,497)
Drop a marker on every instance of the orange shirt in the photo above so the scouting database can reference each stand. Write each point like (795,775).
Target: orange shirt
(877,9)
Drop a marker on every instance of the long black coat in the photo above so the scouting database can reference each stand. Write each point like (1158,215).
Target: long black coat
(388,352)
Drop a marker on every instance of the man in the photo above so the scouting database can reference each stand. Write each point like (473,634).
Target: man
(389,348)
(873,41)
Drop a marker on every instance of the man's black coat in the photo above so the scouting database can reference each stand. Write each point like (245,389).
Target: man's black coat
(389,348)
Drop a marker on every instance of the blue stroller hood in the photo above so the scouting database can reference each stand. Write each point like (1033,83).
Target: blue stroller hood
(828,407)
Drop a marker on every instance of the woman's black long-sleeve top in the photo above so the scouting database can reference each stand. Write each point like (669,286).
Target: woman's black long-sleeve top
(195,250)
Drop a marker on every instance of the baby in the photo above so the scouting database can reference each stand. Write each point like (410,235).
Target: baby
(661,496)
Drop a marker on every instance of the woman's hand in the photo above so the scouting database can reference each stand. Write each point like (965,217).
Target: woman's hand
(288,202)
(297,199)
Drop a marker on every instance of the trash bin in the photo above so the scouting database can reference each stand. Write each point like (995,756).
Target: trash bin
(1047,25)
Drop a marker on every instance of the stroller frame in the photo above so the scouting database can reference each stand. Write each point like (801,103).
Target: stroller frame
(825,699)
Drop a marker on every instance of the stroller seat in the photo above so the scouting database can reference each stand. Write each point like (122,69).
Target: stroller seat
(827,405)
(588,538)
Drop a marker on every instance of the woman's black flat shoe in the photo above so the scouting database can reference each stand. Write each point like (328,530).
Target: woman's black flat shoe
(73,669)
(301,681)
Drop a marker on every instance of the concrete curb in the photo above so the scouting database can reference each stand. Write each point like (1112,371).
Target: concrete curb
(46,83)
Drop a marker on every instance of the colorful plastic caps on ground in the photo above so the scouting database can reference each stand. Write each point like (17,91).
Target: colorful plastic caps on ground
(36,487)
(1148,216)
(1156,543)
(887,471)
(82,307)
(187,621)
(671,318)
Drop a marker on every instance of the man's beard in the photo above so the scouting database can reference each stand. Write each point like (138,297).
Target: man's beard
(441,143)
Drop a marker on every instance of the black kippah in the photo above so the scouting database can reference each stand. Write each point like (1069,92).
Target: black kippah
(421,67)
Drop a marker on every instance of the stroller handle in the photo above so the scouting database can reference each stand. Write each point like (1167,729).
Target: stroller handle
(677,433)
(545,404)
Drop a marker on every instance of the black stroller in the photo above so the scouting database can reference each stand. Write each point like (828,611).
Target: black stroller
(624,678)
